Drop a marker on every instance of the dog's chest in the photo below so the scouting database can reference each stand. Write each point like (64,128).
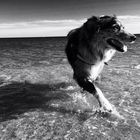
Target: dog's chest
(108,55)
(96,70)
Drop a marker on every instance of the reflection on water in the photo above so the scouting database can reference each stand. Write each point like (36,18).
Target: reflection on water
(36,83)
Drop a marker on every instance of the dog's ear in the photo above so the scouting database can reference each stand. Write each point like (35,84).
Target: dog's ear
(107,21)
(91,26)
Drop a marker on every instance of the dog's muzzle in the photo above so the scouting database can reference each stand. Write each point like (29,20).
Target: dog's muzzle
(132,39)
(127,37)
(119,42)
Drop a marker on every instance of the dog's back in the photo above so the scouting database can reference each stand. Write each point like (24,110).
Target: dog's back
(71,47)
(81,69)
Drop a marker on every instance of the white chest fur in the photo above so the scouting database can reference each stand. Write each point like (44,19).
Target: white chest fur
(108,55)
(96,69)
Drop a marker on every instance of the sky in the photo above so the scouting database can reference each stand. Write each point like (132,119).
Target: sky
(41,18)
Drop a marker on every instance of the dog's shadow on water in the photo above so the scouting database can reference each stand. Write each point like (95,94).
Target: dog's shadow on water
(17,98)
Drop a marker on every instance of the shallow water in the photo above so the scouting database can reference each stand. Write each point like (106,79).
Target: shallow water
(39,99)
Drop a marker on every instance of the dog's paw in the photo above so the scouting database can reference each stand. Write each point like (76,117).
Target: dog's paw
(109,113)
(107,107)
(103,113)
(106,110)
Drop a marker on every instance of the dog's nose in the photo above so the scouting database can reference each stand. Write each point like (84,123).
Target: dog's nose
(133,38)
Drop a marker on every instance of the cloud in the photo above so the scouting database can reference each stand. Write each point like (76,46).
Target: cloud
(42,23)
(128,17)
(39,28)
(131,23)
(44,28)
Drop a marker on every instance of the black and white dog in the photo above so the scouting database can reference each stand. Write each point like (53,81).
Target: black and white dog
(90,47)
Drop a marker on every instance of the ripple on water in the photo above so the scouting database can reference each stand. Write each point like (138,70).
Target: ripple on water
(137,67)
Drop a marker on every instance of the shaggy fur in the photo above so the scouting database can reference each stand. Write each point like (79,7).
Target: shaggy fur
(90,47)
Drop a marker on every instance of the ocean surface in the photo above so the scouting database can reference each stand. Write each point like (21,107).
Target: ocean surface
(40,100)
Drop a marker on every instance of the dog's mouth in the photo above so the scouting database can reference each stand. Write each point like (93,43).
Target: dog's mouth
(117,45)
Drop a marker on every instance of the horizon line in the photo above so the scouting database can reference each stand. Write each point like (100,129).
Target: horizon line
(26,37)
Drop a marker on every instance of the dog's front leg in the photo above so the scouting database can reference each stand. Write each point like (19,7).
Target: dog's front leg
(89,86)
(105,105)
(103,102)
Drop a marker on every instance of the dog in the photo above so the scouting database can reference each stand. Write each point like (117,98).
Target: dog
(90,47)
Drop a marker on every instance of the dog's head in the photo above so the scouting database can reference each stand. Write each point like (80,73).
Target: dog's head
(110,30)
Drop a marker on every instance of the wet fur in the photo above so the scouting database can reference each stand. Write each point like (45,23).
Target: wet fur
(88,52)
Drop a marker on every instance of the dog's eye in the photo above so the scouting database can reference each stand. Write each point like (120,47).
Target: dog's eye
(116,28)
